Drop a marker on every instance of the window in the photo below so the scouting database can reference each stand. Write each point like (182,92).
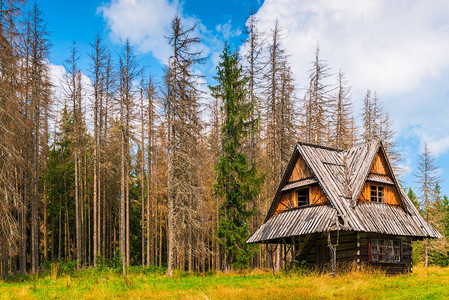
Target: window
(377,193)
(303,197)
(385,250)
(397,251)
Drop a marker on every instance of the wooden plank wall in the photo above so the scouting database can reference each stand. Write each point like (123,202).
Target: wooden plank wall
(391,196)
(300,171)
(286,201)
(289,199)
(379,165)
(352,247)
(317,195)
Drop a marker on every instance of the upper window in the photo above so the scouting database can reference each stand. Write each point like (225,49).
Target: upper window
(303,197)
(385,250)
(377,193)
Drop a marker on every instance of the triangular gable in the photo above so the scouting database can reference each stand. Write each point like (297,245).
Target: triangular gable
(297,169)
(379,165)
(300,171)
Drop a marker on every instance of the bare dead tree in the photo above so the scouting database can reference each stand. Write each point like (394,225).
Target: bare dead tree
(316,103)
(184,129)
(98,63)
(151,209)
(341,117)
(128,72)
(428,179)
(73,93)
(38,81)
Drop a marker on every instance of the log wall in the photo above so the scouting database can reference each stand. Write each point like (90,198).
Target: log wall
(363,253)
(353,247)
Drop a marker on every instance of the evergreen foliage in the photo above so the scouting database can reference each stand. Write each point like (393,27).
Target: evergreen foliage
(238,181)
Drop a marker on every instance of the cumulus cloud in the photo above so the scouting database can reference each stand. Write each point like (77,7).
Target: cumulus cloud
(390,45)
(146,23)
(398,48)
(58,78)
(227,31)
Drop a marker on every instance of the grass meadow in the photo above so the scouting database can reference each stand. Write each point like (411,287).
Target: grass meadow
(142,283)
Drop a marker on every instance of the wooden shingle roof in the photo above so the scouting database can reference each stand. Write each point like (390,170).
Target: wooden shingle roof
(342,175)
(295,222)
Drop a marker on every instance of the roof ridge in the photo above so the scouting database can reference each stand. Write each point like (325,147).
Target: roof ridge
(361,144)
(319,146)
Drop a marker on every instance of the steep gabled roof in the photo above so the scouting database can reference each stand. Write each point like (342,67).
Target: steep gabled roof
(342,175)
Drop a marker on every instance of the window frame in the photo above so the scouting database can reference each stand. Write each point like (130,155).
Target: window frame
(306,196)
(379,193)
(385,250)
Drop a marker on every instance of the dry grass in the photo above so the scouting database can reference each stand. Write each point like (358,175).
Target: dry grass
(431,283)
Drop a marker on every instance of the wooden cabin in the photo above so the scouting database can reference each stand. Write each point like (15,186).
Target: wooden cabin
(334,207)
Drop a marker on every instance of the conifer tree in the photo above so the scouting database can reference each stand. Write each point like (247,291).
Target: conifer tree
(427,176)
(316,103)
(253,65)
(40,99)
(341,118)
(15,140)
(438,249)
(98,64)
(184,185)
(128,72)
(238,181)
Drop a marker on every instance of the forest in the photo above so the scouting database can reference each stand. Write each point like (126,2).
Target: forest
(129,170)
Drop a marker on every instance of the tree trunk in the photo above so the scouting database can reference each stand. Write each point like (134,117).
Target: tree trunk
(77,213)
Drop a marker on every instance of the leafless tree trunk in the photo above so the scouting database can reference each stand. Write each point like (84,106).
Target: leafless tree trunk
(316,103)
(341,127)
(150,93)
(427,176)
(128,72)
(184,129)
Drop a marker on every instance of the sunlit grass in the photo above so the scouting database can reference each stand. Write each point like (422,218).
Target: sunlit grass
(430,283)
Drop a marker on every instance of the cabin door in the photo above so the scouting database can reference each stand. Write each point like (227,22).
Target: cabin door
(322,256)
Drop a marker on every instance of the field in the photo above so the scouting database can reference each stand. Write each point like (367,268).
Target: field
(431,283)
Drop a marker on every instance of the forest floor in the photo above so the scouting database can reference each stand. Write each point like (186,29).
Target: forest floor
(431,283)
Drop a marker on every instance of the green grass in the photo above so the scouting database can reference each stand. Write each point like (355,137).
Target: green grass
(431,283)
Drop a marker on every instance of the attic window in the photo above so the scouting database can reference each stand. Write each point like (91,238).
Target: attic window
(377,193)
(303,197)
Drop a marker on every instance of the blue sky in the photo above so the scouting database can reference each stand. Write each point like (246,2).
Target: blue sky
(398,48)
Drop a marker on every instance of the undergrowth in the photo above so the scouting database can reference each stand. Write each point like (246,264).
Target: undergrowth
(62,281)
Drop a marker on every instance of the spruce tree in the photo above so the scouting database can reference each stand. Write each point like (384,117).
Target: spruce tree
(238,181)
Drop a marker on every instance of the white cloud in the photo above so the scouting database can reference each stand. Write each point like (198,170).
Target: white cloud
(437,141)
(60,89)
(439,146)
(57,73)
(146,23)
(398,48)
(388,45)
(226,30)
